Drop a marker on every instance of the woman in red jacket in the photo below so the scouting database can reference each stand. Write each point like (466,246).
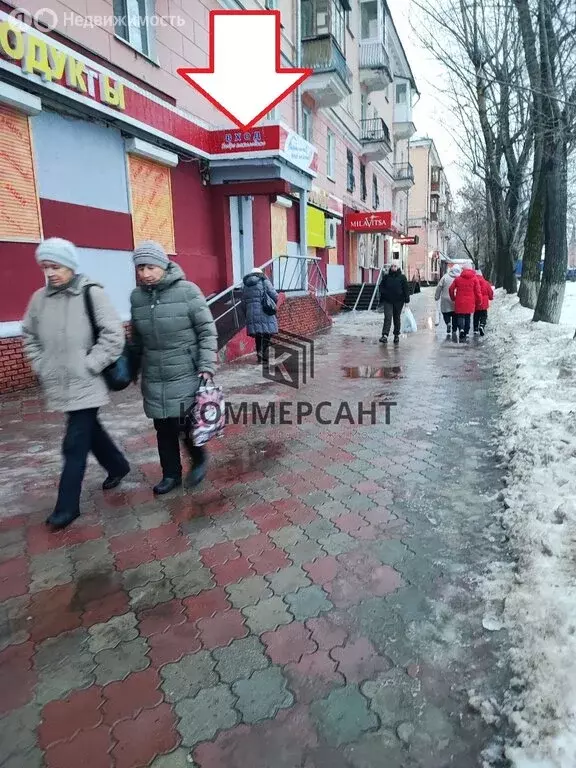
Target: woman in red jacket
(465,293)
(486,296)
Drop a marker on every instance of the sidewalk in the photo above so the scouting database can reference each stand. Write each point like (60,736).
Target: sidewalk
(312,605)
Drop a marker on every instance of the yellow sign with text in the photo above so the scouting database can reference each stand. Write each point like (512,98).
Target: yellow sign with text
(46,60)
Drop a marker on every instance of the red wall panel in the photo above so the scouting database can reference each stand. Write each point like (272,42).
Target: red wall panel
(20,276)
(87,227)
(293,221)
(262,225)
(341,242)
(196,220)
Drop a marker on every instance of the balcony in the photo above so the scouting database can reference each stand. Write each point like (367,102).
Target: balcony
(375,139)
(331,82)
(403,176)
(404,128)
(375,74)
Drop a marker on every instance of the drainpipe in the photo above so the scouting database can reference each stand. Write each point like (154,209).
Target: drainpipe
(303,235)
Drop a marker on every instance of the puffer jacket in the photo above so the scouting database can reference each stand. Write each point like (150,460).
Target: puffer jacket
(394,288)
(443,289)
(59,344)
(257,321)
(486,293)
(174,338)
(465,292)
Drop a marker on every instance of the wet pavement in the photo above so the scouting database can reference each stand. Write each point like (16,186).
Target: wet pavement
(314,604)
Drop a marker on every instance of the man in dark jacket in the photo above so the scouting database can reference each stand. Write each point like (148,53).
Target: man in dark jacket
(394,294)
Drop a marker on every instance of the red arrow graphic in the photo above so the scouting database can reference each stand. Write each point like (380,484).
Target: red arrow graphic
(245,79)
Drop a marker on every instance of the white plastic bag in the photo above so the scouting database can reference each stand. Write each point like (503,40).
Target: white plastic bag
(408,324)
(438,313)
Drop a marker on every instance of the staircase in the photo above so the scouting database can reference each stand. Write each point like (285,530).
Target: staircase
(360,295)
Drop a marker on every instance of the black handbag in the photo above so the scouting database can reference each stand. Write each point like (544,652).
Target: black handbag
(117,375)
(268,303)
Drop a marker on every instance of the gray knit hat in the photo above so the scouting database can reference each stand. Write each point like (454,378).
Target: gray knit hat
(59,251)
(152,253)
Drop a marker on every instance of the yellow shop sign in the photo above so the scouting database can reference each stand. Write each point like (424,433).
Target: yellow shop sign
(37,56)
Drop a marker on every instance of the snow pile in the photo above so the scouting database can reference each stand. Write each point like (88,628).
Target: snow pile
(536,366)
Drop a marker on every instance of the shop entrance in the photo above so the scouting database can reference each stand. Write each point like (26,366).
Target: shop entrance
(242,237)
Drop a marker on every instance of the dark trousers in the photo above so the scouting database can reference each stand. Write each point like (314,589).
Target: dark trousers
(85,434)
(392,312)
(262,344)
(168,439)
(464,324)
(450,320)
(480,319)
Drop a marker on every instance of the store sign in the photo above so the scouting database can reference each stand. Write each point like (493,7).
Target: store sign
(380,221)
(242,141)
(408,240)
(50,63)
(298,151)
(322,199)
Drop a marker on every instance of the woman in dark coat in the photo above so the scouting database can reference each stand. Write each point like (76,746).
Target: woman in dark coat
(394,293)
(174,337)
(259,325)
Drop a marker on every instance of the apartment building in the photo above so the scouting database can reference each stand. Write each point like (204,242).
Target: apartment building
(104,144)
(429,211)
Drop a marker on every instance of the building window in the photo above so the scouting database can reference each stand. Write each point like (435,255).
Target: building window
(274,114)
(350,181)
(363,191)
(434,207)
(132,23)
(375,195)
(331,155)
(271,5)
(307,125)
(401,93)
(363,107)
(435,175)
(324,18)
(369,20)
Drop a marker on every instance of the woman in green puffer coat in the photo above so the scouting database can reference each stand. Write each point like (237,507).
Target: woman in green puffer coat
(174,345)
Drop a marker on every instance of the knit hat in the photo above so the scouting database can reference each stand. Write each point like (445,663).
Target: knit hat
(59,251)
(149,252)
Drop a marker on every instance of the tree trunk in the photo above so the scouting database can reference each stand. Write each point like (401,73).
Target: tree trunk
(534,240)
(551,296)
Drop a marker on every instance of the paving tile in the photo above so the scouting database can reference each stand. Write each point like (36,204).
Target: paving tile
(267,615)
(151,594)
(61,720)
(207,713)
(254,545)
(304,551)
(288,536)
(126,698)
(359,661)
(269,561)
(117,663)
(174,643)
(63,665)
(49,570)
(288,580)
(338,543)
(323,570)
(119,629)
(91,749)
(325,633)
(308,602)
(313,677)
(219,554)
(207,604)
(186,678)
(97,611)
(142,575)
(240,659)
(288,643)
(151,733)
(393,696)
(179,758)
(262,695)
(248,591)
(18,731)
(232,571)
(53,612)
(239,529)
(343,716)
(33,758)
(222,628)
(18,677)
(192,583)
(154,621)
(177,566)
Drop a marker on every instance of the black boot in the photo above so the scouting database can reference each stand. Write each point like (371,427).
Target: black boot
(396,339)
(166,485)
(59,520)
(199,459)
(113,481)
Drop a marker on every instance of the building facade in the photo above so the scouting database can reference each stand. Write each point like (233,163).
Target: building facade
(103,143)
(430,207)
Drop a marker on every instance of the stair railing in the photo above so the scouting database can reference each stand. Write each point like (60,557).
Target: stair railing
(376,289)
(358,297)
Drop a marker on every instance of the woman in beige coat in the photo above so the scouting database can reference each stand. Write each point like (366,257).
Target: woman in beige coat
(59,344)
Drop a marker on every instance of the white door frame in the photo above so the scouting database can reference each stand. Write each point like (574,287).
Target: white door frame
(242,233)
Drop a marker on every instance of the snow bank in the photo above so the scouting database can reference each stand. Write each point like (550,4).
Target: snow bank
(536,363)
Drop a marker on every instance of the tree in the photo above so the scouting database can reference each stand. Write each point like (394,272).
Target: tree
(481,48)
(470,226)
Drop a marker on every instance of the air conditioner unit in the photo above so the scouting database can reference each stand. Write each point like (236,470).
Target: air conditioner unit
(331,233)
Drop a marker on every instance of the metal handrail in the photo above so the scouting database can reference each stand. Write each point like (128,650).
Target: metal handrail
(358,297)
(376,289)
(374,129)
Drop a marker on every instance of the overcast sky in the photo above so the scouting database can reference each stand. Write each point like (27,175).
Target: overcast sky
(430,116)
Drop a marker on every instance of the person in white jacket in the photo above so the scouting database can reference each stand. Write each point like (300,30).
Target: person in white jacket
(443,295)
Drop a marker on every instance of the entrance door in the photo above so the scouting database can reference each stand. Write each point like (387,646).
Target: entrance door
(242,237)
